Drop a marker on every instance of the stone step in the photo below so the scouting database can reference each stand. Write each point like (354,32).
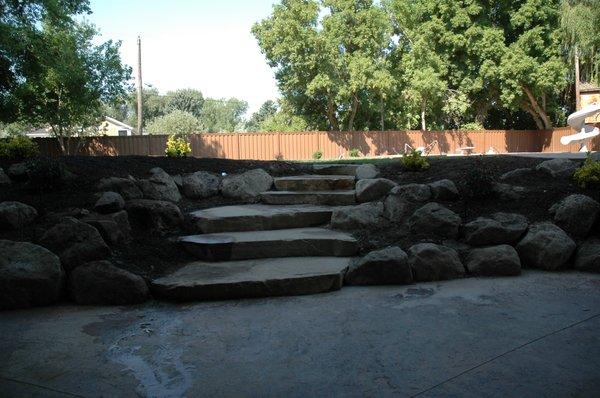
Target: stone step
(259,217)
(330,198)
(336,169)
(297,242)
(253,278)
(315,183)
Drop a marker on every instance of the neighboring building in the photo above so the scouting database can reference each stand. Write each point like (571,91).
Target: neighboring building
(590,94)
(114,127)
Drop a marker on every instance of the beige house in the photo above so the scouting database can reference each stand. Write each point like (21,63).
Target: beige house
(113,127)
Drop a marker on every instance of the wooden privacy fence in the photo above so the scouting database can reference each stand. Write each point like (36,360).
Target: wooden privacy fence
(333,144)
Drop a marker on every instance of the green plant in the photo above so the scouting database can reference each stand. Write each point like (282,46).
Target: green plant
(415,161)
(18,147)
(354,153)
(317,155)
(177,147)
(480,182)
(588,174)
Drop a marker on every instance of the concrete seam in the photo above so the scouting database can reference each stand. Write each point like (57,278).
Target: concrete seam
(41,387)
(505,353)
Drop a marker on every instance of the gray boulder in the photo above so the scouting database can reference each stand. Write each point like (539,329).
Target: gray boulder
(431,262)
(500,228)
(247,186)
(355,217)
(366,171)
(368,190)
(75,242)
(494,260)
(558,167)
(114,227)
(387,266)
(160,186)
(101,283)
(29,275)
(576,214)
(16,215)
(200,185)
(509,192)
(434,219)
(444,190)
(126,187)
(518,174)
(395,208)
(545,246)
(412,192)
(109,202)
(18,172)
(587,257)
(157,215)
(4,179)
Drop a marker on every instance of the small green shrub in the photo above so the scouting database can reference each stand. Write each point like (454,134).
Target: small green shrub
(415,161)
(318,155)
(46,174)
(480,182)
(589,174)
(354,153)
(177,147)
(18,147)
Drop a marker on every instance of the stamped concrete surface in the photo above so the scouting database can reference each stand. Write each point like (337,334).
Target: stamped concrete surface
(529,336)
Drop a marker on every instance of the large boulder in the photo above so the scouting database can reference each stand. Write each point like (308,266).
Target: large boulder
(368,190)
(587,257)
(247,186)
(412,192)
(126,187)
(109,202)
(366,171)
(494,260)
(508,192)
(395,208)
(75,242)
(160,186)
(30,275)
(387,266)
(101,283)
(434,219)
(576,214)
(16,215)
(558,167)
(431,262)
(200,185)
(500,228)
(114,227)
(4,179)
(157,215)
(444,190)
(518,174)
(356,217)
(545,246)
(18,172)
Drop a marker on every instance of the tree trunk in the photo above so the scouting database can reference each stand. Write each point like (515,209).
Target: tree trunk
(535,107)
(535,116)
(423,107)
(353,112)
(333,122)
(382,110)
(577,82)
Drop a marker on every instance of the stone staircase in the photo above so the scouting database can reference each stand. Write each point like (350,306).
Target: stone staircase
(276,248)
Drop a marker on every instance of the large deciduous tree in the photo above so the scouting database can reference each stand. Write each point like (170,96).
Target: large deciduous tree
(187,100)
(221,115)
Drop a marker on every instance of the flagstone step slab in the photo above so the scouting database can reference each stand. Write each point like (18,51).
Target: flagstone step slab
(336,169)
(315,183)
(259,217)
(297,242)
(253,278)
(330,198)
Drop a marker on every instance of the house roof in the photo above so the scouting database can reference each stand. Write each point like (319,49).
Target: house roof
(118,123)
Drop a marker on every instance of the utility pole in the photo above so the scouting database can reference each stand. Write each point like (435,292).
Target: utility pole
(577,83)
(140,118)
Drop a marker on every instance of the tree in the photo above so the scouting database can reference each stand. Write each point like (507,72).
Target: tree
(220,115)
(177,122)
(154,107)
(266,110)
(187,100)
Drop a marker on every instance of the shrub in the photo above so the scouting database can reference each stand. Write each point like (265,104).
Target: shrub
(354,153)
(415,161)
(480,182)
(588,174)
(18,147)
(177,123)
(45,174)
(318,155)
(177,147)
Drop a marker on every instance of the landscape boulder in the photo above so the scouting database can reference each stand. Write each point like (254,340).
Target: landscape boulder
(412,192)
(395,208)
(509,192)
(518,174)
(101,283)
(18,172)
(200,185)
(587,257)
(500,228)
(114,227)
(16,215)
(444,190)
(355,217)
(558,167)
(156,215)
(247,186)
(576,214)
(75,242)
(126,187)
(366,171)
(160,186)
(493,260)
(30,275)
(4,179)
(387,266)
(109,202)
(371,189)
(545,246)
(431,262)
(434,219)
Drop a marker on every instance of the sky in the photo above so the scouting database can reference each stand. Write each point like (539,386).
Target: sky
(201,44)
